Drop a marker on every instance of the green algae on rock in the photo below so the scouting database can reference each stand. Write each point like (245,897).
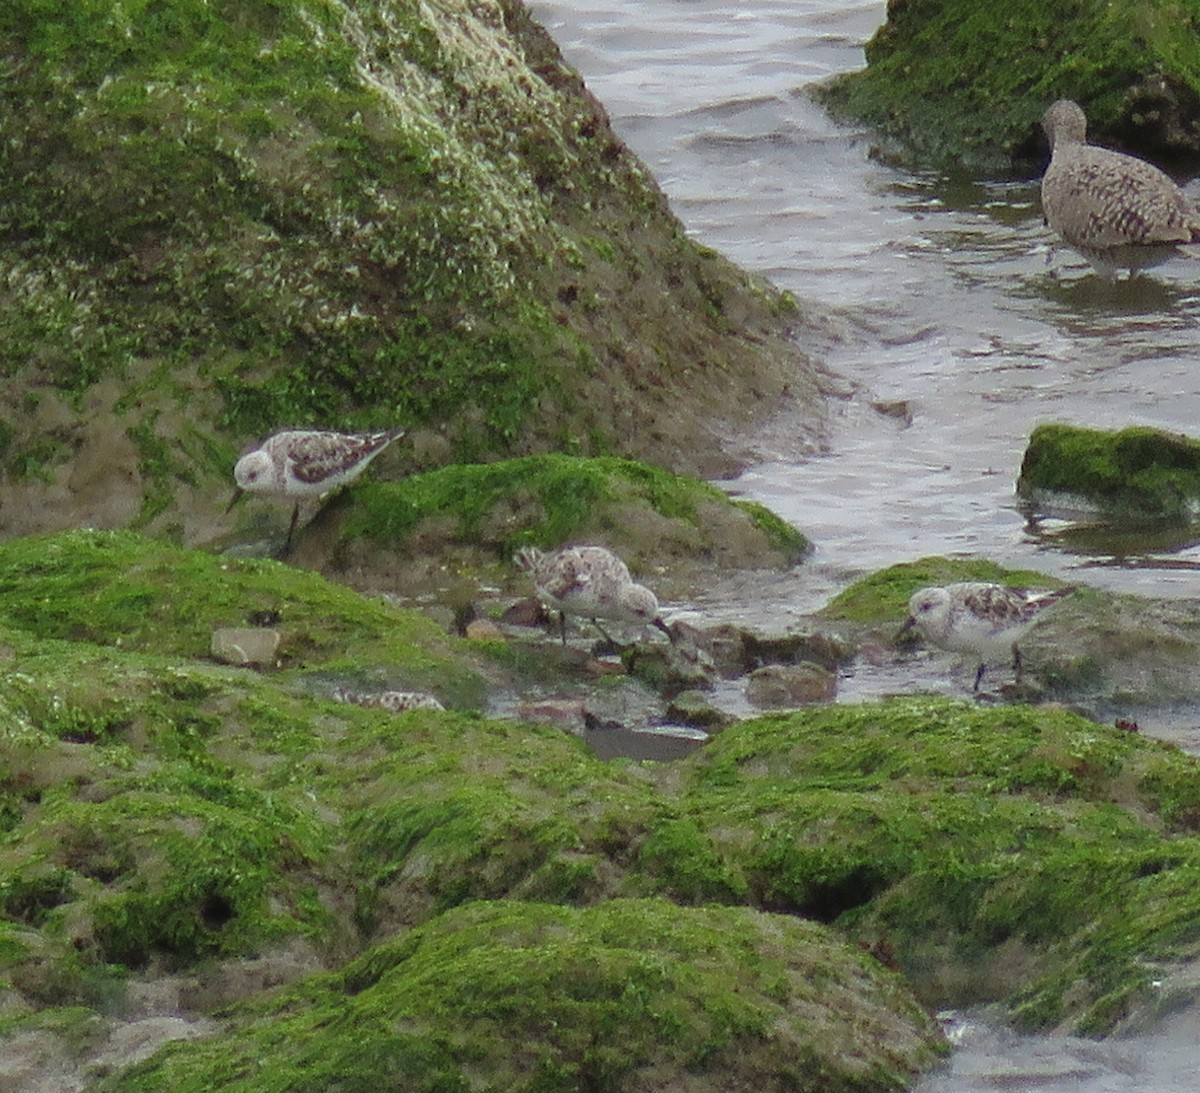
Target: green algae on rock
(1136,473)
(634,995)
(223,218)
(455,810)
(1014,854)
(965,83)
(646,514)
(123,589)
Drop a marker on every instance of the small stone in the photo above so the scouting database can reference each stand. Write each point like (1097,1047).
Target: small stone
(483,630)
(901,410)
(244,645)
(670,669)
(695,708)
(526,612)
(781,686)
(566,713)
(737,651)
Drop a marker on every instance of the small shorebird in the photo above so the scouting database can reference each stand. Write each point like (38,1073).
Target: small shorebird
(1118,211)
(592,583)
(979,619)
(300,463)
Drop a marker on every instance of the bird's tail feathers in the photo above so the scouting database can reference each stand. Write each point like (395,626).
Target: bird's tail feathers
(1053,596)
(528,558)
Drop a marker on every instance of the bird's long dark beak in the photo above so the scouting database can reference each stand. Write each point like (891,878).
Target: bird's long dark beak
(237,496)
(665,629)
(909,623)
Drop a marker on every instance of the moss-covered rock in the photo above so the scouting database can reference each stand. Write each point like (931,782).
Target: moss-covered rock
(225,218)
(453,810)
(479,514)
(1014,854)
(160,813)
(1136,473)
(124,590)
(966,82)
(630,995)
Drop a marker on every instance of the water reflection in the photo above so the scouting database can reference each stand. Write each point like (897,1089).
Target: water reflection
(1149,543)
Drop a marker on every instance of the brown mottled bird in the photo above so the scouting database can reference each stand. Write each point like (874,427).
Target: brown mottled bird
(979,618)
(591,582)
(1118,211)
(300,463)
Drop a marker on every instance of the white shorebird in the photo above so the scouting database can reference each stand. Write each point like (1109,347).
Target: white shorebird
(982,620)
(1118,211)
(300,463)
(592,583)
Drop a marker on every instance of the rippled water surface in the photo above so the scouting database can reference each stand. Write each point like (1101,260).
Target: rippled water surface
(946,291)
(948,300)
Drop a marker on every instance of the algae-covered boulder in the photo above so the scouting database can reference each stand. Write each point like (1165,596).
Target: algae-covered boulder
(1137,473)
(479,514)
(489,897)
(124,590)
(223,218)
(1021,855)
(965,82)
(631,995)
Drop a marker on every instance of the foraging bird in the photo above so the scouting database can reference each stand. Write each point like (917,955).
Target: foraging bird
(304,463)
(978,618)
(592,583)
(1118,211)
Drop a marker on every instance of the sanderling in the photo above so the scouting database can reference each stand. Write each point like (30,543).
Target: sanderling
(394,701)
(980,619)
(591,582)
(1118,211)
(300,463)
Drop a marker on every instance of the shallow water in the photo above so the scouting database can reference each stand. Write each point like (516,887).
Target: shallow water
(945,290)
(946,295)
(947,298)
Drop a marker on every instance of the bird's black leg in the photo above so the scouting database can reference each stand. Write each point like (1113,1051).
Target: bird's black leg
(562,626)
(287,543)
(608,647)
(979,678)
(1017,662)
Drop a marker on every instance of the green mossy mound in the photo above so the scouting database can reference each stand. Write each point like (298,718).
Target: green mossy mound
(965,83)
(124,590)
(1137,473)
(161,813)
(223,218)
(452,810)
(1023,855)
(484,512)
(629,995)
